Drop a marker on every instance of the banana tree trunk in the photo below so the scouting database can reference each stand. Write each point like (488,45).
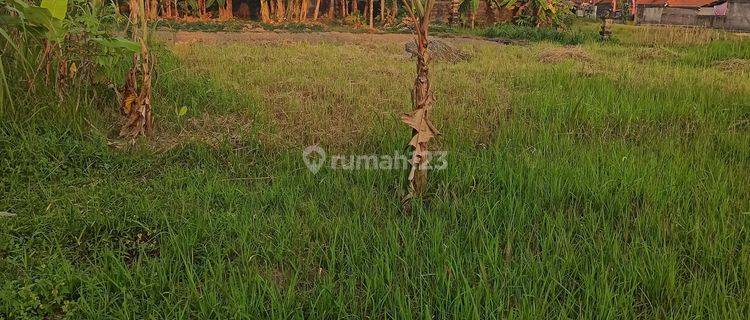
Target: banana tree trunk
(394,10)
(154,11)
(454,17)
(292,10)
(280,14)
(422,99)
(382,11)
(371,8)
(225,11)
(136,100)
(303,10)
(317,10)
(265,15)
(202,9)
(489,12)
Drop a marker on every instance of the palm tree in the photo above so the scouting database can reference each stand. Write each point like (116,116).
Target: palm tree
(422,98)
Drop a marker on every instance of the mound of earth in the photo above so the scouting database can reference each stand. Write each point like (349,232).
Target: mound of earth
(439,50)
(560,54)
(733,65)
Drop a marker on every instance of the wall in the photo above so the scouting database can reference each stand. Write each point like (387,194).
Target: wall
(649,15)
(679,16)
(738,15)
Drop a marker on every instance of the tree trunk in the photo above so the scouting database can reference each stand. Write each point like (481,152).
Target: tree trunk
(154,12)
(136,101)
(355,7)
(490,12)
(454,17)
(280,11)
(291,12)
(226,11)
(303,10)
(265,15)
(372,6)
(382,11)
(203,10)
(166,10)
(317,10)
(394,10)
(419,118)
(331,7)
(472,17)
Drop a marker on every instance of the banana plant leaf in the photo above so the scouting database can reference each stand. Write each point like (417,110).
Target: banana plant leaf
(118,43)
(57,8)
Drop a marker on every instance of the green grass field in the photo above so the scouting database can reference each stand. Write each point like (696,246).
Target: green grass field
(601,181)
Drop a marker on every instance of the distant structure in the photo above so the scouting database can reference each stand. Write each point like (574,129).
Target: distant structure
(594,9)
(723,14)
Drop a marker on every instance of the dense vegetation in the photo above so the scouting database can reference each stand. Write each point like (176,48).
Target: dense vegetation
(597,181)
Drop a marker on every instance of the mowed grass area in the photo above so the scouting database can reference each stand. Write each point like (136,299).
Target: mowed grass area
(600,181)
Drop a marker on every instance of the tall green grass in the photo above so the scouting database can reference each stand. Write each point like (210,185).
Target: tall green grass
(618,192)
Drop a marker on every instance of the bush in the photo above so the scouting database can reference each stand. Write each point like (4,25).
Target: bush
(518,32)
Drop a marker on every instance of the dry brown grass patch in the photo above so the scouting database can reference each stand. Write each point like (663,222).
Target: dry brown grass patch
(560,54)
(733,65)
(209,129)
(653,53)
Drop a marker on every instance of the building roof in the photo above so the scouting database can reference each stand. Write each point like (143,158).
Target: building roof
(651,2)
(690,3)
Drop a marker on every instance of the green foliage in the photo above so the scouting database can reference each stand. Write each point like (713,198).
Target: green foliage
(617,193)
(57,8)
(43,51)
(519,32)
(538,12)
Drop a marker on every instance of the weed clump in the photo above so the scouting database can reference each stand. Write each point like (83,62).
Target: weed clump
(516,32)
(733,65)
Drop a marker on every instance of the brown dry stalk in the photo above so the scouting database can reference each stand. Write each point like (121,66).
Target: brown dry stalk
(422,98)
(136,100)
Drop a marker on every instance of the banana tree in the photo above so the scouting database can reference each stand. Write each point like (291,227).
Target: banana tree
(225,9)
(422,98)
(136,97)
(467,7)
(542,12)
